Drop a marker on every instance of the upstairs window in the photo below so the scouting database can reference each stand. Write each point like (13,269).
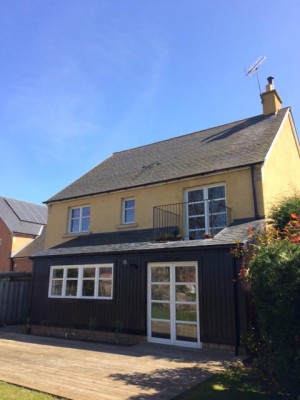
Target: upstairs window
(128,211)
(84,281)
(79,219)
(206,211)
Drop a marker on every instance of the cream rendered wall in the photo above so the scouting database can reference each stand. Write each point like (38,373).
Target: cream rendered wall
(106,209)
(20,241)
(281,170)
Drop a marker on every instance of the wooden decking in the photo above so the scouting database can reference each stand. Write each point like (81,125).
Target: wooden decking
(89,371)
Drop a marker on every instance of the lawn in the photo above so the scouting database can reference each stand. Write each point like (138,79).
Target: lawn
(235,384)
(13,392)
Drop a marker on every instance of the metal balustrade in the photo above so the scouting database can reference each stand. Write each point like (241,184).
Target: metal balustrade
(189,221)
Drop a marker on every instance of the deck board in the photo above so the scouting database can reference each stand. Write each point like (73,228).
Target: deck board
(93,371)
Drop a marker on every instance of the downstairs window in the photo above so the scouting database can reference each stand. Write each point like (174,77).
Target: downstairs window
(82,281)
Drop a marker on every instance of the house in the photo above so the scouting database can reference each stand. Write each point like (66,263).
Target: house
(143,241)
(21,223)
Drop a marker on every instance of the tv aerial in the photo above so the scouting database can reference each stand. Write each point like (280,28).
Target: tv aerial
(254,68)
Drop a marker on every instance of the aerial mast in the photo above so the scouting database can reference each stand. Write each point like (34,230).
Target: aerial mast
(254,68)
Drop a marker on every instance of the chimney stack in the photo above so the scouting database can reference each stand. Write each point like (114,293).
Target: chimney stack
(270,98)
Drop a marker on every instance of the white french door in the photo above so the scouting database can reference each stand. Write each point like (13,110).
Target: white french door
(173,307)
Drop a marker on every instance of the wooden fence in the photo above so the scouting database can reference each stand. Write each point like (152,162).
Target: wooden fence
(14,298)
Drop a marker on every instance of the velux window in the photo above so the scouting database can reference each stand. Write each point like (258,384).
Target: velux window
(128,211)
(84,281)
(79,219)
(206,211)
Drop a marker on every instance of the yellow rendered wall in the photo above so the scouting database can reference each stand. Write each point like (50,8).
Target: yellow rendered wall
(281,171)
(106,209)
(19,241)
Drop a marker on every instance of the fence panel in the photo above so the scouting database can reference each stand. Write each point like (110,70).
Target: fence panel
(14,301)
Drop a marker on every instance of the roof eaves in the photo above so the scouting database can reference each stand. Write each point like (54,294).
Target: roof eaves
(155,182)
(143,251)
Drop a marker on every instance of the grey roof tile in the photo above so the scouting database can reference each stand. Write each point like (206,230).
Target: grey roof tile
(22,217)
(224,147)
(89,245)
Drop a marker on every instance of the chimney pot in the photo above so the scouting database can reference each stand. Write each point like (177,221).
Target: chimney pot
(270,80)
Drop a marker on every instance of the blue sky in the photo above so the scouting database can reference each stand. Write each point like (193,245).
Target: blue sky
(81,79)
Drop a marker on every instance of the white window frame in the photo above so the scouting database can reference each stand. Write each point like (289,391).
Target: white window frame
(206,211)
(172,301)
(80,219)
(80,280)
(124,209)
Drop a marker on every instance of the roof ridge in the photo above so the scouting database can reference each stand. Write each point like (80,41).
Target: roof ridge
(193,133)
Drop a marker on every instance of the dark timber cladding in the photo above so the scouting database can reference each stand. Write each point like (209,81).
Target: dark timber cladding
(129,304)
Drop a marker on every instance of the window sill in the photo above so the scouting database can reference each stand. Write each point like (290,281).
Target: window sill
(81,298)
(125,226)
(76,234)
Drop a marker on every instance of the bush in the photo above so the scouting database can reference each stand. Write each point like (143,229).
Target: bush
(275,283)
(270,272)
(282,211)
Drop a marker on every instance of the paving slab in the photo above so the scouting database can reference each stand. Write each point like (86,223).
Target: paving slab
(95,371)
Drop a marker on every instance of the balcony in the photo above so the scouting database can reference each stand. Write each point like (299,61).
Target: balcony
(190,220)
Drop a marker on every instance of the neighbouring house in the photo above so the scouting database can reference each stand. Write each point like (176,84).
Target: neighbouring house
(143,241)
(21,225)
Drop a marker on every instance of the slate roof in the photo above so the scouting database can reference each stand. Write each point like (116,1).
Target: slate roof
(224,147)
(23,217)
(95,243)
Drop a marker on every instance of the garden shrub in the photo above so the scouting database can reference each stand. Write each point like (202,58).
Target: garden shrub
(282,211)
(275,284)
(270,273)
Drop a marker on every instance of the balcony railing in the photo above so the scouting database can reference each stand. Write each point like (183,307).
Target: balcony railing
(190,220)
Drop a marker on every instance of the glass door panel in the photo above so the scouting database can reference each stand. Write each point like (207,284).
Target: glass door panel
(160,274)
(160,311)
(186,312)
(160,292)
(161,330)
(186,292)
(186,333)
(185,274)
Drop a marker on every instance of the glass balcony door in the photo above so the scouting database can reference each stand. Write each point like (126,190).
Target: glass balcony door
(173,314)
(206,211)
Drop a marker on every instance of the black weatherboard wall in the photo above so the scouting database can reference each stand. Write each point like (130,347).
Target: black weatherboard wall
(220,303)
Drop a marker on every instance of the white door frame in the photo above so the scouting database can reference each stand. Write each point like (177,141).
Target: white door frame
(173,340)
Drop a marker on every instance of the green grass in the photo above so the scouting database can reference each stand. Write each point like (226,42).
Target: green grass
(235,384)
(13,392)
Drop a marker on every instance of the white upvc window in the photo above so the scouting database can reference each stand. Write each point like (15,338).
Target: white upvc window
(206,211)
(128,211)
(82,281)
(79,219)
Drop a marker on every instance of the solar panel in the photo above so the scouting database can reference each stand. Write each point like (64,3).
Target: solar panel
(28,212)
